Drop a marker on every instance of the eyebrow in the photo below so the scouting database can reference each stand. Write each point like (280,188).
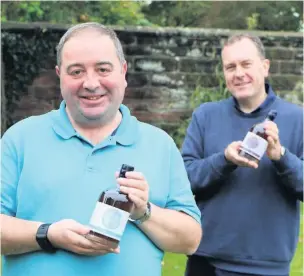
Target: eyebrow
(97,64)
(242,61)
(105,63)
(73,65)
(246,60)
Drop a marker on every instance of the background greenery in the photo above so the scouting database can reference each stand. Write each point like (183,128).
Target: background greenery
(243,15)
(266,15)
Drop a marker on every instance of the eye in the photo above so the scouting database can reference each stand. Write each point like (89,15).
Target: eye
(76,73)
(104,71)
(247,64)
(230,68)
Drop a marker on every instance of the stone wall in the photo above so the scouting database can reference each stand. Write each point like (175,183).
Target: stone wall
(165,65)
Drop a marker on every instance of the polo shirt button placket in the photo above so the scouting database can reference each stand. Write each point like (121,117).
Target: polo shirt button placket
(89,161)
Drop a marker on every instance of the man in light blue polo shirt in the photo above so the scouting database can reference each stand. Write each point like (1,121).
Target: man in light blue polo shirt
(55,166)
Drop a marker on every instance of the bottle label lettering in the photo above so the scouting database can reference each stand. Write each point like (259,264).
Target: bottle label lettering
(109,221)
(254,145)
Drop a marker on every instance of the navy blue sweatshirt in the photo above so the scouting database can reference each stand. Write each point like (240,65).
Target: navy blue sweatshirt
(250,217)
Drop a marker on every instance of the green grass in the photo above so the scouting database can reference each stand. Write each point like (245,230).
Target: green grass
(297,263)
(174,264)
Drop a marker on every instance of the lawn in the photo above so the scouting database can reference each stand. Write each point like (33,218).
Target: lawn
(174,265)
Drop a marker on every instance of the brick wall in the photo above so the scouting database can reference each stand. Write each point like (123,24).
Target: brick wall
(165,65)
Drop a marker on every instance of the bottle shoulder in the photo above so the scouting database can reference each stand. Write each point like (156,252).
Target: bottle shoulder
(113,194)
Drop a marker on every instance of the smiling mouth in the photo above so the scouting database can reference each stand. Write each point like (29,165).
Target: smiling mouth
(242,84)
(92,98)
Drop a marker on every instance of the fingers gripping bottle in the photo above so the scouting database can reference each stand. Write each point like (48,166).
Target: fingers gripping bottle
(111,214)
(255,142)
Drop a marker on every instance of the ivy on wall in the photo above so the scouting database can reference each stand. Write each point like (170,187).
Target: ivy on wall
(24,55)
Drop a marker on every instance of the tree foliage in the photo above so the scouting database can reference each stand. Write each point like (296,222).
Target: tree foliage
(202,95)
(72,12)
(267,15)
(177,13)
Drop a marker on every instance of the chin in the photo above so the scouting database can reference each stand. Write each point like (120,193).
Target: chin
(242,94)
(93,117)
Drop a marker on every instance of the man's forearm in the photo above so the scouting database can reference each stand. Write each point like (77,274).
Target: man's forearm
(172,230)
(18,236)
(204,173)
(290,169)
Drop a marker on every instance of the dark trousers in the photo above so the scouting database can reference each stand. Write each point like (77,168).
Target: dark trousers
(199,266)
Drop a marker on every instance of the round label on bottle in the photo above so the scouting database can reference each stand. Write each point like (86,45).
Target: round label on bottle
(111,218)
(254,145)
(109,221)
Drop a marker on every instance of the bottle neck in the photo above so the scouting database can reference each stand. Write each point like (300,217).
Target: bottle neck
(118,186)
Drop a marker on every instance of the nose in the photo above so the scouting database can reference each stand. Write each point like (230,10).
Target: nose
(239,72)
(91,83)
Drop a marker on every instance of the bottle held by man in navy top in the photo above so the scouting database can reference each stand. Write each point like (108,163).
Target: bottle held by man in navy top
(111,214)
(255,142)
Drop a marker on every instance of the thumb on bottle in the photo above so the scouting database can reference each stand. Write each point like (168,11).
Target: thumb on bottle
(79,228)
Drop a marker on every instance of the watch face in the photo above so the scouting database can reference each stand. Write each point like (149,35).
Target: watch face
(40,235)
(145,217)
(148,209)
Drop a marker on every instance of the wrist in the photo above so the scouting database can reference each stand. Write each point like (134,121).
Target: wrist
(144,217)
(282,151)
(226,159)
(42,238)
(280,154)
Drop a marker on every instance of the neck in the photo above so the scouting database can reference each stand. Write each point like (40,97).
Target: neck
(96,133)
(250,104)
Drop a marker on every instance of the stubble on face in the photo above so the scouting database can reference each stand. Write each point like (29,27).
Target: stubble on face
(92,56)
(245,70)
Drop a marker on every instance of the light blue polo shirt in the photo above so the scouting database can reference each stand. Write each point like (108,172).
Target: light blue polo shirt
(50,173)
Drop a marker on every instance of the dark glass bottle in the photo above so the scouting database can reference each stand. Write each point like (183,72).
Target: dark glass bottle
(255,143)
(111,214)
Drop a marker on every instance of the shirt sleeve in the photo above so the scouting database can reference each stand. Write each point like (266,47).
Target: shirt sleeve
(9,176)
(290,169)
(180,196)
(203,172)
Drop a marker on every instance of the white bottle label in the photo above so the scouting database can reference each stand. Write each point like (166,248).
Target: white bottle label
(254,145)
(109,221)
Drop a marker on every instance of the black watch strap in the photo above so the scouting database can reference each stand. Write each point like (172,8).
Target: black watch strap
(42,239)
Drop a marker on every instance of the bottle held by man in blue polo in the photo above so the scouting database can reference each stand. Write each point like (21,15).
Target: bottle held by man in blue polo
(48,196)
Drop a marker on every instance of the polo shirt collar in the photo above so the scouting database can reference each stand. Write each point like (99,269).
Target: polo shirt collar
(266,103)
(126,133)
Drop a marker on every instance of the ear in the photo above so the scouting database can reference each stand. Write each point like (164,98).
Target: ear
(57,70)
(124,68)
(124,72)
(266,66)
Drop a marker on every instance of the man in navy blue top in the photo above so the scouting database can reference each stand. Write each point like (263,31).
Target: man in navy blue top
(250,212)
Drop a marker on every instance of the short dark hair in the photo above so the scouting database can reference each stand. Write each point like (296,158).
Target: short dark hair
(255,39)
(95,26)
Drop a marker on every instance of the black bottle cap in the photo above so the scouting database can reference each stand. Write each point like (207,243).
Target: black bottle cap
(272,114)
(125,168)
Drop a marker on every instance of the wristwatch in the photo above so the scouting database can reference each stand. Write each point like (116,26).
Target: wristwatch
(42,239)
(282,151)
(145,217)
